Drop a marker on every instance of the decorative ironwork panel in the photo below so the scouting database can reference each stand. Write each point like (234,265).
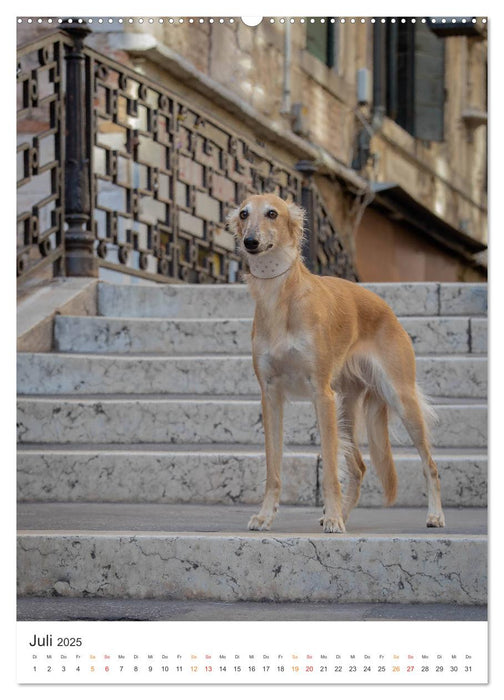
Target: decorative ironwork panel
(165,177)
(163,174)
(40,156)
(331,256)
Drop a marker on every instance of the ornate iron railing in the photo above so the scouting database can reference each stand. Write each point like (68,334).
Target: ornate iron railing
(165,176)
(40,155)
(143,178)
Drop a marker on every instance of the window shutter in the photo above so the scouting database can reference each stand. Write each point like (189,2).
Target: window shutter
(429,86)
(405,80)
(316,40)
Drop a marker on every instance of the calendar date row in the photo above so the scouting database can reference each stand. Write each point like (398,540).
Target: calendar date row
(236,669)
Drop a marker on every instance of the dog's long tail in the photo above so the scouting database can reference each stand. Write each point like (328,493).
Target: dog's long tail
(376,414)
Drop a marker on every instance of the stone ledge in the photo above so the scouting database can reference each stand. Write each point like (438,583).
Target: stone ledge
(342,569)
(35,312)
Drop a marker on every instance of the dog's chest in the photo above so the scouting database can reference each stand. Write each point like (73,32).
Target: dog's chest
(285,360)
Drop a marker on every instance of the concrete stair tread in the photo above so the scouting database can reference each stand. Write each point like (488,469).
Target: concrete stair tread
(211,357)
(226,355)
(82,374)
(231,520)
(225,319)
(205,398)
(225,448)
(178,336)
(177,319)
(226,474)
(206,553)
(216,419)
(419,298)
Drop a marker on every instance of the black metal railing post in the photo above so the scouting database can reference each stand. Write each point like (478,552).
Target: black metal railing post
(79,239)
(309,250)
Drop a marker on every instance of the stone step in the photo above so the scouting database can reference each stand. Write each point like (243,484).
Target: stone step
(183,420)
(205,553)
(234,301)
(52,373)
(220,474)
(97,334)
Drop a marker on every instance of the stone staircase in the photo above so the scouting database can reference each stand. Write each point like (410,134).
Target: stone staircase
(141,459)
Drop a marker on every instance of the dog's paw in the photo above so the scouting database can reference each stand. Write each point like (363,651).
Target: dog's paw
(260,522)
(435,520)
(333,524)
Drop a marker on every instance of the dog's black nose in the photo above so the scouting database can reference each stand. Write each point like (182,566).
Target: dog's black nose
(251,243)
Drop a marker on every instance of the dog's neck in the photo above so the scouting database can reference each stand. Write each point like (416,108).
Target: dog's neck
(273,264)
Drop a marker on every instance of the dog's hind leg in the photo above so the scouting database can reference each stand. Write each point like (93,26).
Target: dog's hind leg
(347,423)
(398,388)
(380,451)
(412,415)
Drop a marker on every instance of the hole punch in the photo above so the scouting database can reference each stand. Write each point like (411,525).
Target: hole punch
(251,21)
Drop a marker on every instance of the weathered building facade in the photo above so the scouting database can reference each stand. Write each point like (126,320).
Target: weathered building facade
(377,127)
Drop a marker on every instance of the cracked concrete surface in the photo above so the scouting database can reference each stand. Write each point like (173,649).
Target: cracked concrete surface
(231,568)
(205,553)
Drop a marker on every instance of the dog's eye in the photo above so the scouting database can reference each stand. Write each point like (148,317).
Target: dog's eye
(243,214)
(272,214)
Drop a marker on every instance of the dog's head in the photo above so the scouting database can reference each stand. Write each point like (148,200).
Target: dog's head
(264,222)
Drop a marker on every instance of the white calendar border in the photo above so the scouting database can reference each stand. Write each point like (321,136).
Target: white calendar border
(294,8)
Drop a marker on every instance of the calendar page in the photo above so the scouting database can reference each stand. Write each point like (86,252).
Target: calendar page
(250,652)
(252,349)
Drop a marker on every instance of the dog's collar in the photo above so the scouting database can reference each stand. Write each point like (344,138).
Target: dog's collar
(270,265)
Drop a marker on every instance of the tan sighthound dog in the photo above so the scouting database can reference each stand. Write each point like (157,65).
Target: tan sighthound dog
(324,338)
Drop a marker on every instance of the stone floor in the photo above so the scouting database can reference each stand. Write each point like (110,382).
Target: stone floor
(196,518)
(61,609)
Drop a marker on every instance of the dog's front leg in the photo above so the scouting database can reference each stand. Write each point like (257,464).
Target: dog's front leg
(272,410)
(325,406)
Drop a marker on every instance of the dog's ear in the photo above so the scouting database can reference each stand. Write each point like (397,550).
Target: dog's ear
(232,220)
(296,221)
